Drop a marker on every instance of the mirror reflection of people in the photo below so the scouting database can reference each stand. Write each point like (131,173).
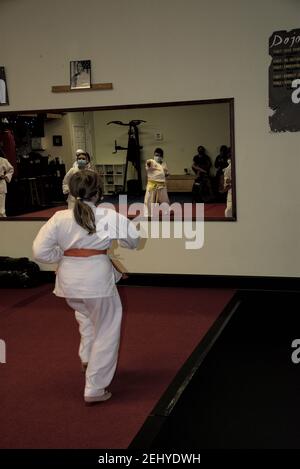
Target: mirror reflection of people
(77,240)
(201,162)
(6,172)
(156,189)
(221,162)
(83,161)
(228,187)
(201,167)
(2,91)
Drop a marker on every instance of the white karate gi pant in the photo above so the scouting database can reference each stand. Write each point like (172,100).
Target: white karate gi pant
(99,326)
(228,210)
(2,204)
(154,197)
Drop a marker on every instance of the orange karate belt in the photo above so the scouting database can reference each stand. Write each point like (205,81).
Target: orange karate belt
(91,252)
(84,252)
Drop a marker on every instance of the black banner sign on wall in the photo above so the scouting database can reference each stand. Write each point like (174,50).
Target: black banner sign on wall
(284,81)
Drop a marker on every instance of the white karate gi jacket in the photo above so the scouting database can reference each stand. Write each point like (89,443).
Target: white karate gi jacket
(69,174)
(84,277)
(227,186)
(156,172)
(227,181)
(7,170)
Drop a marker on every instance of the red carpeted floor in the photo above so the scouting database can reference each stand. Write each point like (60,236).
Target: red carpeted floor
(16,297)
(42,385)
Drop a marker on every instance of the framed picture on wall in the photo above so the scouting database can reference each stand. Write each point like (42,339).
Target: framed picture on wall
(80,74)
(57,140)
(3,87)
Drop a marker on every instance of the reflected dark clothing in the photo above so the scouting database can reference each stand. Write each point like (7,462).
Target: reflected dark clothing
(221,163)
(202,190)
(203,161)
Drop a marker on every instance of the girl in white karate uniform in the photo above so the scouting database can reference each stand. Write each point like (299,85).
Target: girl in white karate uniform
(6,172)
(156,189)
(78,240)
(83,161)
(228,188)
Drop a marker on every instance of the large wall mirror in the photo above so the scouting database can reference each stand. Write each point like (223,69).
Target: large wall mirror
(41,146)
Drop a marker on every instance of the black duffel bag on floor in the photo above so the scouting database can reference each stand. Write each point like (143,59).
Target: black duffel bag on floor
(18,273)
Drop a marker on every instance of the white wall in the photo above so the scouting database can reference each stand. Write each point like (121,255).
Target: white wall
(168,50)
(183,129)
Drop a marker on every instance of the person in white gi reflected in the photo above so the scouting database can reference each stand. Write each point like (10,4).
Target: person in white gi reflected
(83,161)
(2,91)
(78,241)
(6,172)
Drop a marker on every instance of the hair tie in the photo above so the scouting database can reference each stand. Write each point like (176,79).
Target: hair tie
(78,198)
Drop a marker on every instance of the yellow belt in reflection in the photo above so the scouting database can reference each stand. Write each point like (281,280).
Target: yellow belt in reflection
(154,186)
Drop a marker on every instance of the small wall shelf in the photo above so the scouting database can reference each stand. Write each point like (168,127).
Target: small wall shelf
(95,86)
(112,175)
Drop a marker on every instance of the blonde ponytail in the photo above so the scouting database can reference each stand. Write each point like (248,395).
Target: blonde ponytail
(85,185)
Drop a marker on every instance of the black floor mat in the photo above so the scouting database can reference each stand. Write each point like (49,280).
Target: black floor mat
(246,393)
